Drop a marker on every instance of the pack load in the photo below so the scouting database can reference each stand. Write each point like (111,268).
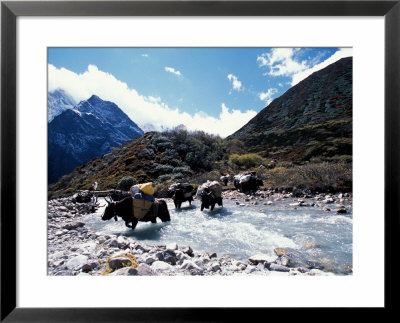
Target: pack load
(213,187)
(247,181)
(143,191)
(141,207)
(147,188)
(245,178)
(135,189)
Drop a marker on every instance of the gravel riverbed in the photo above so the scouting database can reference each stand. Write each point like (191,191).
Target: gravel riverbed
(74,249)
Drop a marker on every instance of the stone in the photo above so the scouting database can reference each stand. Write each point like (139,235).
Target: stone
(276,267)
(261,258)
(285,261)
(144,270)
(188,250)
(161,266)
(86,268)
(169,256)
(112,242)
(94,264)
(172,246)
(342,210)
(127,271)
(189,265)
(214,266)
(122,242)
(281,252)
(76,262)
(149,260)
(117,263)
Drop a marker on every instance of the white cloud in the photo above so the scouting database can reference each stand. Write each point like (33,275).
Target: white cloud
(341,53)
(173,71)
(237,85)
(145,55)
(141,109)
(281,62)
(267,96)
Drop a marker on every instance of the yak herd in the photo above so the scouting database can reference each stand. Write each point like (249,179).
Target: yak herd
(132,209)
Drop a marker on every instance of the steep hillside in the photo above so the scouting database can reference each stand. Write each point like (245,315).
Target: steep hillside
(312,120)
(157,157)
(84,132)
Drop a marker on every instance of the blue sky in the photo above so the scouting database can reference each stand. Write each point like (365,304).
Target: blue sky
(213,89)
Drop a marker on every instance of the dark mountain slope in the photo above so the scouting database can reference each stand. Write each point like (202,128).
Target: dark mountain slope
(313,119)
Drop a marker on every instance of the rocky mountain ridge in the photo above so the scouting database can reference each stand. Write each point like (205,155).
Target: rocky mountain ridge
(88,130)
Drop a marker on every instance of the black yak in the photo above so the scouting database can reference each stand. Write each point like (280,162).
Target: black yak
(181,192)
(128,209)
(209,194)
(247,182)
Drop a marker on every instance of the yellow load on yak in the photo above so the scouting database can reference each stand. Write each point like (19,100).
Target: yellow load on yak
(147,188)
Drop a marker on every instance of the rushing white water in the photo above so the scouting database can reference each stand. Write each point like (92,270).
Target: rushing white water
(312,235)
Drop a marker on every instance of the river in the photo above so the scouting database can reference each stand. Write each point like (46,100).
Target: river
(314,237)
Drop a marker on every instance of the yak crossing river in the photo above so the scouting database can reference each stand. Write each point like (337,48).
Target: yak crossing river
(311,229)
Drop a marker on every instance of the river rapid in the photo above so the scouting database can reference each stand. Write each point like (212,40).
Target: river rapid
(316,230)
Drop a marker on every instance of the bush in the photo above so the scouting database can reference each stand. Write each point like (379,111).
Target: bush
(322,176)
(183,170)
(177,176)
(126,182)
(246,161)
(164,178)
(163,169)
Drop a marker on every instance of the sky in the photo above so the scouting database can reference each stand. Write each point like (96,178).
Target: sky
(217,90)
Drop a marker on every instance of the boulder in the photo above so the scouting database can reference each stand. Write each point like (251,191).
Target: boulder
(127,271)
(284,261)
(261,258)
(161,266)
(281,252)
(149,260)
(120,262)
(169,256)
(172,246)
(276,267)
(73,225)
(214,267)
(189,265)
(86,268)
(76,262)
(188,250)
(145,270)
(342,210)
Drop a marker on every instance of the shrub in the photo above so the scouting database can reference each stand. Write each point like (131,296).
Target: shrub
(177,176)
(183,170)
(163,169)
(164,178)
(126,182)
(246,161)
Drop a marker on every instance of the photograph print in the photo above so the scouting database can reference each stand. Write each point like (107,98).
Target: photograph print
(199,161)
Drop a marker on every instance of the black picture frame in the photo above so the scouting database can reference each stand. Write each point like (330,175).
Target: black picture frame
(10,10)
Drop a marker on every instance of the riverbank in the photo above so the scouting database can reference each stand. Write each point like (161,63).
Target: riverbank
(74,249)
